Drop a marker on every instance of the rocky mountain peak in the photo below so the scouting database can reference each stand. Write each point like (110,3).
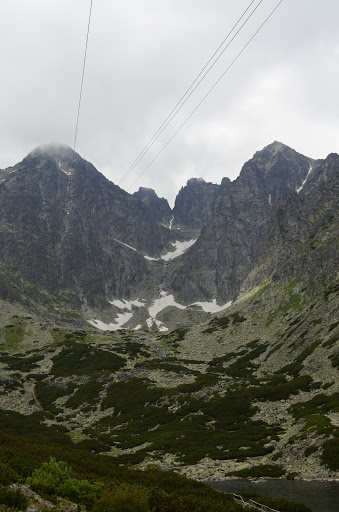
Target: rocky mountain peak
(158,207)
(195,202)
(195,181)
(146,192)
(63,156)
(53,149)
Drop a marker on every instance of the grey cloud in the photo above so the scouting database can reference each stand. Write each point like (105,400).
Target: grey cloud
(141,58)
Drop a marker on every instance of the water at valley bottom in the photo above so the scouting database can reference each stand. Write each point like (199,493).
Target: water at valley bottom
(318,495)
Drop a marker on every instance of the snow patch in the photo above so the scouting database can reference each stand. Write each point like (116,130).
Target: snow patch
(121,319)
(212,307)
(126,245)
(150,258)
(269,199)
(180,248)
(170,224)
(162,327)
(303,183)
(69,173)
(126,304)
(162,303)
(158,305)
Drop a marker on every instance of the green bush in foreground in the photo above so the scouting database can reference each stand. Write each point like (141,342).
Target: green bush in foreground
(57,478)
(165,491)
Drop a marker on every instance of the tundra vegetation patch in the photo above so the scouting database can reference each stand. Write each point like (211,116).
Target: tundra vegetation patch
(253,392)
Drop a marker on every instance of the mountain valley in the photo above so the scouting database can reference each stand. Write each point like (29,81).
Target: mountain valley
(218,358)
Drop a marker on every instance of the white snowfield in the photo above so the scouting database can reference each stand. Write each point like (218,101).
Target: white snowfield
(303,183)
(121,320)
(180,248)
(212,307)
(165,300)
(127,304)
(158,305)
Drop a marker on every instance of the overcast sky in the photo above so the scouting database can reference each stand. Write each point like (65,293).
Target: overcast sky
(142,56)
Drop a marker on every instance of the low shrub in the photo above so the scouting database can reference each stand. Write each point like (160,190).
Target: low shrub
(280,504)
(13,498)
(330,455)
(125,498)
(57,478)
(7,474)
(265,470)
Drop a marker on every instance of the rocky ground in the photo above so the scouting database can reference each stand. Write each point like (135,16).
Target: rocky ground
(252,392)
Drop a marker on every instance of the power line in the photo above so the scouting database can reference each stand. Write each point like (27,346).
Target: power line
(206,95)
(187,93)
(82,79)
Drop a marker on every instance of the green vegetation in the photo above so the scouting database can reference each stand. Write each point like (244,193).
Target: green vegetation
(331,341)
(47,392)
(332,289)
(172,339)
(277,503)
(7,474)
(81,359)
(314,411)
(268,470)
(294,368)
(85,394)
(22,364)
(243,366)
(330,454)
(224,322)
(97,397)
(311,449)
(56,478)
(13,498)
(14,332)
(294,303)
(99,484)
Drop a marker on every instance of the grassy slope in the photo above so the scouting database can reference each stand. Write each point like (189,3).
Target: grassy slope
(253,391)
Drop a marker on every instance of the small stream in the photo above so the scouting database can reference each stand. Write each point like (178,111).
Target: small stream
(318,495)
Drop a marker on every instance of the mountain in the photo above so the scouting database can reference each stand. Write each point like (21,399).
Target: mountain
(159,207)
(195,203)
(64,226)
(231,242)
(77,248)
(245,381)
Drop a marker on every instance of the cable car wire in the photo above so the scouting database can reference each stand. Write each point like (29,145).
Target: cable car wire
(82,80)
(206,95)
(188,93)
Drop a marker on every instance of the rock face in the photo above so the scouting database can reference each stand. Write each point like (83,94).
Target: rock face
(195,203)
(158,207)
(64,226)
(231,242)
(303,234)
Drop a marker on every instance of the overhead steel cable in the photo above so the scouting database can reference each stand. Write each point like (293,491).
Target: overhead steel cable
(188,93)
(82,81)
(207,94)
